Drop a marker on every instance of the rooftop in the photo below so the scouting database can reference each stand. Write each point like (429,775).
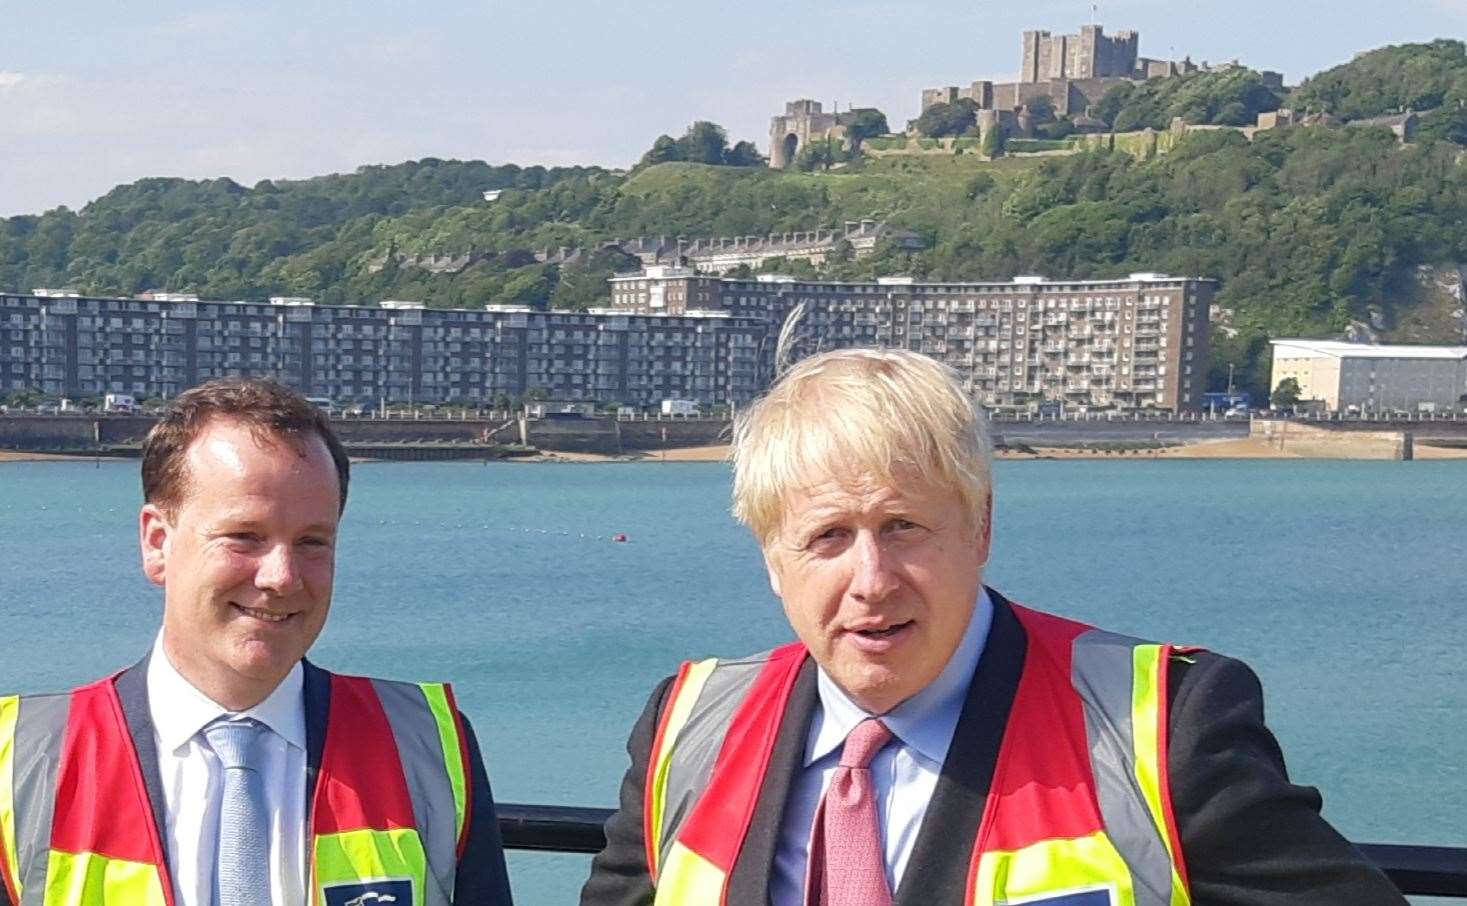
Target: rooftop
(1319,349)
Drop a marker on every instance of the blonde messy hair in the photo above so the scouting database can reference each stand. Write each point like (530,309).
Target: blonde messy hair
(851,414)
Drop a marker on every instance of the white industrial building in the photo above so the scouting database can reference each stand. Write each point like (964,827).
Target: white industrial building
(1368,378)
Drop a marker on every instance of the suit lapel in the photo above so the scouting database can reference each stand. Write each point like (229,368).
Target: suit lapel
(937,872)
(132,692)
(749,880)
(316,690)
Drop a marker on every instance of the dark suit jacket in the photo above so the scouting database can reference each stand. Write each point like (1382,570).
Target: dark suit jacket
(482,877)
(1249,836)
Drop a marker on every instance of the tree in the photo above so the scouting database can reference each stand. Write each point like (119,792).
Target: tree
(1448,124)
(1286,394)
(864,123)
(1227,97)
(820,154)
(941,120)
(1418,76)
(703,143)
(991,144)
(663,150)
(744,154)
(1041,108)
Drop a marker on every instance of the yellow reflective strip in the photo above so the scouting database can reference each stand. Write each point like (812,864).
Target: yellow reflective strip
(1052,868)
(1146,695)
(688,879)
(9,710)
(452,758)
(368,855)
(682,709)
(86,879)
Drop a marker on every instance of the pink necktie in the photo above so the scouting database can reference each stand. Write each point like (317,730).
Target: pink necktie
(847,865)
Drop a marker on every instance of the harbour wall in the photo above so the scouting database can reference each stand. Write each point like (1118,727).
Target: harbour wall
(1318,442)
(84,434)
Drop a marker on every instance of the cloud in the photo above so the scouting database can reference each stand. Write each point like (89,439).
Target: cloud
(9,80)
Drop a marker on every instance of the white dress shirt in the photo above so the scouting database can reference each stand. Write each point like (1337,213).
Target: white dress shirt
(193,785)
(904,773)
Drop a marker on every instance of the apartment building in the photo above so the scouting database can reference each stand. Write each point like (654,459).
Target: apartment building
(1133,343)
(397,352)
(670,333)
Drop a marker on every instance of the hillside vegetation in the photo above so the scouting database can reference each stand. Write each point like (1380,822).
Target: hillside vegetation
(1406,76)
(1306,229)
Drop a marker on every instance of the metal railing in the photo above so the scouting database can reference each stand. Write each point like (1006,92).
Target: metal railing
(1417,870)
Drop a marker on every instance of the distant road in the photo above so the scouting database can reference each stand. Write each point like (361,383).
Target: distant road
(1057,433)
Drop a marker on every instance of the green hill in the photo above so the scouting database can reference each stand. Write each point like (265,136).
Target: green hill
(1405,76)
(1307,229)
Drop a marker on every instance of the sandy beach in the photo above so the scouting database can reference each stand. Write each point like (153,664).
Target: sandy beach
(21,456)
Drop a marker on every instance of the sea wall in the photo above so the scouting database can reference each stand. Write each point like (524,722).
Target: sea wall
(613,437)
(1319,442)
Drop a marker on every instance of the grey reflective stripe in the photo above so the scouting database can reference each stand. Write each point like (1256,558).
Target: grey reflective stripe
(40,727)
(415,731)
(695,749)
(1102,672)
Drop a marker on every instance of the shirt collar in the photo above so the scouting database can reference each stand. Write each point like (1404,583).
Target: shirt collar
(926,721)
(180,711)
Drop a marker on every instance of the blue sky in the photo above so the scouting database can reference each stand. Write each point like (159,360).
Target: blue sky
(94,93)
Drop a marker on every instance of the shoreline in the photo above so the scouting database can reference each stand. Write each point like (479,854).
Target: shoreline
(1232,448)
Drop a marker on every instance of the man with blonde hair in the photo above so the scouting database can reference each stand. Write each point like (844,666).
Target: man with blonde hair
(927,741)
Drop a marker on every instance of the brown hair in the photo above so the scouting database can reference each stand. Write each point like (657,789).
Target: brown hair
(268,408)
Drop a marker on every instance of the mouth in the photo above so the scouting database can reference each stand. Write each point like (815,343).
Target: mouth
(884,632)
(264,616)
(880,639)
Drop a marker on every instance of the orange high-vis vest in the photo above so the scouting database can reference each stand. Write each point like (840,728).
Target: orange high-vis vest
(1078,810)
(390,812)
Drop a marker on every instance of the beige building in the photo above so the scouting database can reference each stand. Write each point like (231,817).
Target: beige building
(1366,378)
(720,254)
(1138,342)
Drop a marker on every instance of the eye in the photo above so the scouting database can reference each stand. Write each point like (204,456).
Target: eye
(901,525)
(826,538)
(316,543)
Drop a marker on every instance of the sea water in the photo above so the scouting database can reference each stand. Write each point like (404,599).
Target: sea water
(1341,583)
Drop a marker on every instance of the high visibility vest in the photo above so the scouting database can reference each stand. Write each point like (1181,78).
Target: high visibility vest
(390,811)
(1078,810)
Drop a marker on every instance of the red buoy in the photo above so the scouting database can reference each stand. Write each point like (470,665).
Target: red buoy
(619,536)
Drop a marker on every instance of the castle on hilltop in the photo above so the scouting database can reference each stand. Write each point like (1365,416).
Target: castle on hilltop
(803,121)
(1073,72)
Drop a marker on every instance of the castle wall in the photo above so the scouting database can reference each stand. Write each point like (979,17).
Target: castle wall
(805,120)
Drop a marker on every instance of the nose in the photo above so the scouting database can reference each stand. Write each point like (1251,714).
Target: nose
(872,578)
(278,572)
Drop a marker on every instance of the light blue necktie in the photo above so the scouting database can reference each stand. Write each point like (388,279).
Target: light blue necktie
(242,862)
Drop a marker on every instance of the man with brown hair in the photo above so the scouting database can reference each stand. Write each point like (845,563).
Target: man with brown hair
(225,768)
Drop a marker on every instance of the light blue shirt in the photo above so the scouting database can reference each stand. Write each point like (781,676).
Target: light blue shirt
(904,772)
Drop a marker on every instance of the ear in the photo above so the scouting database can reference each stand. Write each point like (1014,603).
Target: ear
(153,537)
(985,538)
(773,569)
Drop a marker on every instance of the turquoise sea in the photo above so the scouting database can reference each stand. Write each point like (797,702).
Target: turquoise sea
(1341,583)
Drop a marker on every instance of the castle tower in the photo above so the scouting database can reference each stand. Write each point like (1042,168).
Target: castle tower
(1032,42)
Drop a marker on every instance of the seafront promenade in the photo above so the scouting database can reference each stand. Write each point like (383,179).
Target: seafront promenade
(500,435)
